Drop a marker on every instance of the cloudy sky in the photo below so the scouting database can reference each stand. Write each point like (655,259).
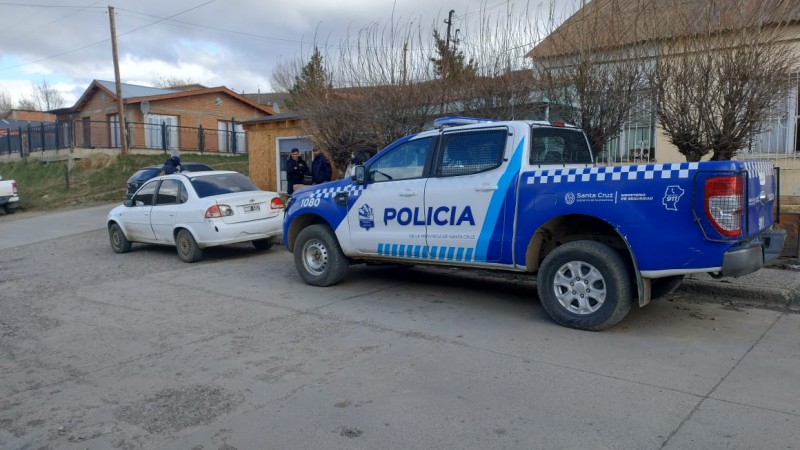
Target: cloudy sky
(235,43)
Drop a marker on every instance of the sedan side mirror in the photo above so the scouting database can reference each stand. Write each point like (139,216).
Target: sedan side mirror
(360,175)
(128,202)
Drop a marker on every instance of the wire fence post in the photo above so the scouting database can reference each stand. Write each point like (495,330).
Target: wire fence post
(164,136)
(233,135)
(200,139)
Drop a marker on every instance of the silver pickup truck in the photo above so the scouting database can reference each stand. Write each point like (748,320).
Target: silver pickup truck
(9,196)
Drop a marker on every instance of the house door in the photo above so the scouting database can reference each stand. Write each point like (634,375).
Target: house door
(161,131)
(285,146)
(86,127)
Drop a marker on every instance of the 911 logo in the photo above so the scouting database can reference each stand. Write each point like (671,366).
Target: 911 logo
(569,198)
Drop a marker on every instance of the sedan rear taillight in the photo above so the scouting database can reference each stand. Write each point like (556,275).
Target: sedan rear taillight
(724,203)
(276,203)
(215,211)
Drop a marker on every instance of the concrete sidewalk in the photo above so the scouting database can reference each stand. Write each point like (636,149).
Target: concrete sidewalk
(777,286)
(25,228)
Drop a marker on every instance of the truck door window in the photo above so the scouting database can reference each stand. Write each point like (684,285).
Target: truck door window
(559,146)
(471,152)
(403,162)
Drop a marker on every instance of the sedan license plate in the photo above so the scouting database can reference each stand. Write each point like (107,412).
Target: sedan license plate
(254,207)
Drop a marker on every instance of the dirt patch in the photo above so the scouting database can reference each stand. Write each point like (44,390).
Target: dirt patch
(175,409)
(96,161)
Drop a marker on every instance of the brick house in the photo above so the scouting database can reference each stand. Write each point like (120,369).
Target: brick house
(186,118)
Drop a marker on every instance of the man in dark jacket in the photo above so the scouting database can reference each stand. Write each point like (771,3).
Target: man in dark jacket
(171,165)
(320,167)
(296,169)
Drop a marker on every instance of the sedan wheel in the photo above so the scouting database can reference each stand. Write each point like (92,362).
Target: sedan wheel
(119,243)
(188,251)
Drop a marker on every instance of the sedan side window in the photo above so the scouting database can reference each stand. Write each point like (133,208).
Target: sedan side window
(144,197)
(403,162)
(168,192)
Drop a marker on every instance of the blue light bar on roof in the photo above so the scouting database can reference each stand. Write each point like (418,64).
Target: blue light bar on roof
(454,121)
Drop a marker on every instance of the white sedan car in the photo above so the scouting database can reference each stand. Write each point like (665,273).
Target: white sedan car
(195,210)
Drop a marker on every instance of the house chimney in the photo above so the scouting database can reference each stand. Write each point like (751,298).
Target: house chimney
(276,107)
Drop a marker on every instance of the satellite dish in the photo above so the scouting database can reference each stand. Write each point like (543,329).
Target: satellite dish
(145,107)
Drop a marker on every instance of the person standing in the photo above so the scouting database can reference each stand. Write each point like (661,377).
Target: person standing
(296,169)
(320,167)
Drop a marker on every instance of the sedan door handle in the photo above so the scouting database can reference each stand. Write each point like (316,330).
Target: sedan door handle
(486,187)
(408,193)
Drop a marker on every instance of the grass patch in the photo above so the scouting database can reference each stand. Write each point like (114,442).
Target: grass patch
(97,179)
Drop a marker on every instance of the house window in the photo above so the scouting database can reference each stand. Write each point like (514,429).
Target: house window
(779,133)
(161,131)
(231,137)
(636,142)
(113,131)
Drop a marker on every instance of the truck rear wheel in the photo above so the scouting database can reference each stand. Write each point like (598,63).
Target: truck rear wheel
(318,257)
(585,285)
(10,209)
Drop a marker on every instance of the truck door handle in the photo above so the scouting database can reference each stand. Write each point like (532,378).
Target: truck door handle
(486,187)
(408,193)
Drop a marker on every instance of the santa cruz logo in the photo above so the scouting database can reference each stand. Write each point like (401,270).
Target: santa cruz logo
(442,215)
(671,198)
(569,198)
(366,218)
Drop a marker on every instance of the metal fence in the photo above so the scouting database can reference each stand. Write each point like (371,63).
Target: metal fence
(55,137)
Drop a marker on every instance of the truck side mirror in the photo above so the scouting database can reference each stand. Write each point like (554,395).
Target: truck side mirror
(360,175)
(128,202)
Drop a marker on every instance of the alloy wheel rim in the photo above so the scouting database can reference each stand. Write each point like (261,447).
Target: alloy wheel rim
(580,287)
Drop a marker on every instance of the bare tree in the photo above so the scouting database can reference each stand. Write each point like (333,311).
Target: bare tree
(722,75)
(384,82)
(46,97)
(28,104)
(6,103)
(591,70)
(170,81)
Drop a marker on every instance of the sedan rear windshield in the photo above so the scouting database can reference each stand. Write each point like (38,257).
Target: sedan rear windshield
(223,183)
(145,174)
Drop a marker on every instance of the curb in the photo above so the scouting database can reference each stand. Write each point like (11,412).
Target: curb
(771,297)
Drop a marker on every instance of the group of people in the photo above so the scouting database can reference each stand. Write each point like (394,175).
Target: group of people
(297,169)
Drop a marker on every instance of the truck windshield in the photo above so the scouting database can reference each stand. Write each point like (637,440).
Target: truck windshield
(559,146)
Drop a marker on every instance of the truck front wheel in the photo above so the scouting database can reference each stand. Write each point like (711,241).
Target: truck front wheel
(585,285)
(318,257)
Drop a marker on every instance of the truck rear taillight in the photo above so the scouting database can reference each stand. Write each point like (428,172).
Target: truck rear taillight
(14,187)
(724,203)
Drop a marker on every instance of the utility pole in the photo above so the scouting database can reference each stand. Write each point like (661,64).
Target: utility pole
(446,56)
(123,138)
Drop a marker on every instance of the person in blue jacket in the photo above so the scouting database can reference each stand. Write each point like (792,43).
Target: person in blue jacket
(320,167)
(171,165)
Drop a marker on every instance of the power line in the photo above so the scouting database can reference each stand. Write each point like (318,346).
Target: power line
(35,5)
(107,39)
(38,29)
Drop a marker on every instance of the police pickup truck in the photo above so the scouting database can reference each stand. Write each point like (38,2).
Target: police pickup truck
(526,196)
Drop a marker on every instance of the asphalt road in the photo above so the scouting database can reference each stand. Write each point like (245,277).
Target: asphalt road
(99,350)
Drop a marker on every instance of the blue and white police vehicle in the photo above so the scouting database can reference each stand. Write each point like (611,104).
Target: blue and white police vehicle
(526,196)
